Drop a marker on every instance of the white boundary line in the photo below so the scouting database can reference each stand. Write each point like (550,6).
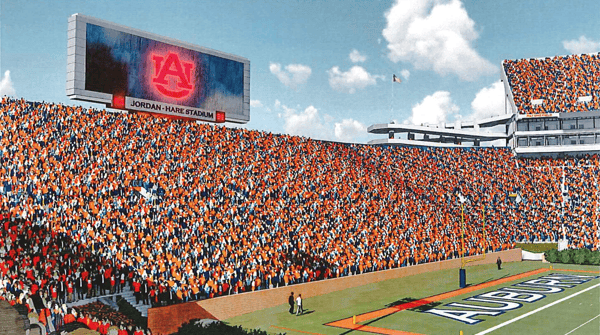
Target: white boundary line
(536,310)
(583,324)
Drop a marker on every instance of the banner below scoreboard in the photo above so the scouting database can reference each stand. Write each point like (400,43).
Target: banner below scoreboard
(150,106)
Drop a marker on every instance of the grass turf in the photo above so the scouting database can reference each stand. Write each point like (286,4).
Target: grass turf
(367,298)
(562,317)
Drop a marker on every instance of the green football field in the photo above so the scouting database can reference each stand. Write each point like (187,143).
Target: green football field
(522,298)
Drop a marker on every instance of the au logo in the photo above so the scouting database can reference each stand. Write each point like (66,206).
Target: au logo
(172,77)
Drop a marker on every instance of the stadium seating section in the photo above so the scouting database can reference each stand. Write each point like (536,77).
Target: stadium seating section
(198,210)
(560,81)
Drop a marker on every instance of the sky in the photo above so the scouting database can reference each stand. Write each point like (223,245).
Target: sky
(323,69)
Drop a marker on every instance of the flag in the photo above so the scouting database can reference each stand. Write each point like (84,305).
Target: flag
(396,79)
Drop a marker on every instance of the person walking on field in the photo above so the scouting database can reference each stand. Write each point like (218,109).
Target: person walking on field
(299,304)
(291,302)
(499,262)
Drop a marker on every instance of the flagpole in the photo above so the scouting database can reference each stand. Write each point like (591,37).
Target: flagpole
(392,101)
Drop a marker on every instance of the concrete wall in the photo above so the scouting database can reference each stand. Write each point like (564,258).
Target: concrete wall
(166,320)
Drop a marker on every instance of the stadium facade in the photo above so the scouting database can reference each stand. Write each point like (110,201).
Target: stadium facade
(555,112)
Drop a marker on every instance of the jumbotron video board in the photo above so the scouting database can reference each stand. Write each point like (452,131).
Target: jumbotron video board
(129,69)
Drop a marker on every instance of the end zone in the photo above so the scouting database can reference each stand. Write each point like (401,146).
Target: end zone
(354,323)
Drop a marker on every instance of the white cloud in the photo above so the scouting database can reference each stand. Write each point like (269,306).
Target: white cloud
(435,34)
(255,103)
(314,124)
(6,85)
(357,57)
(405,74)
(348,130)
(489,101)
(305,123)
(293,76)
(355,78)
(434,109)
(581,46)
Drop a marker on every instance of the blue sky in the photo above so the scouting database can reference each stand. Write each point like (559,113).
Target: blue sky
(323,69)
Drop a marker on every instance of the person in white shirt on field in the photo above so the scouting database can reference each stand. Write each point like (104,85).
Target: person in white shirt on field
(299,304)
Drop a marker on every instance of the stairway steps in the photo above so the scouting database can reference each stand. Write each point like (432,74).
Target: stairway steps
(111,300)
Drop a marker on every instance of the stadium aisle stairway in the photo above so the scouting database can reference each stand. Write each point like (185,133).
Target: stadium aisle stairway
(111,300)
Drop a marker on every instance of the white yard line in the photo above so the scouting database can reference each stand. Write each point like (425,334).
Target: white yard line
(536,310)
(583,324)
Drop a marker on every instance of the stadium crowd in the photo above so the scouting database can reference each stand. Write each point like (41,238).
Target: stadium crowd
(41,271)
(569,203)
(560,81)
(183,211)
